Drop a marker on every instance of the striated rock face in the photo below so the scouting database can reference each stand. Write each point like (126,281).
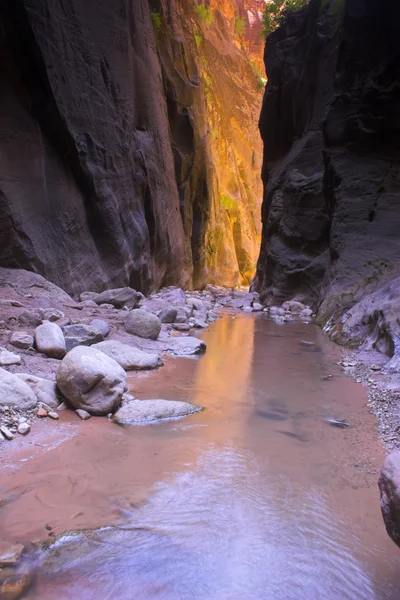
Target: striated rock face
(330,125)
(114,116)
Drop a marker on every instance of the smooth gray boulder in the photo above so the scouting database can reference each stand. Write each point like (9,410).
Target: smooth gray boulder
(174,296)
(118,298)
(101,326)
(49,340)
(91,380)
(15,392)
(186,346)
(389,485)
(143,324)
(8,358)
(146,411)
(45,390)
(168,315)
(129,357)
(81,335)
(22,340)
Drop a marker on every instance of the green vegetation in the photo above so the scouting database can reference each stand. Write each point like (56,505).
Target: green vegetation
(227,202)
(276,11)
(198,38)
(261,81)
(204,14)
(240,25)
(156,18)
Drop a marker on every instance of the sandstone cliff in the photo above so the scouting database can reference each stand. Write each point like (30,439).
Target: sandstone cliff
(330,125)
(126,144)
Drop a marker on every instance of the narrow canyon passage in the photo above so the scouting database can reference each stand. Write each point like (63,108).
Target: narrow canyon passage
(256,497)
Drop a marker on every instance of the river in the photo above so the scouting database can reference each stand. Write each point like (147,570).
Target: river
(258,497)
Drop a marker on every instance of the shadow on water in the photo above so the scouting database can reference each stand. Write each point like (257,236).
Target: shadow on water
(255,498)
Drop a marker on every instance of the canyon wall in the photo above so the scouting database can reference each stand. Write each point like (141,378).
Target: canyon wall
(129,152)
(331,209)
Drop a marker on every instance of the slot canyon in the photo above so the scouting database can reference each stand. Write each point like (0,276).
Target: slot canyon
(199,299)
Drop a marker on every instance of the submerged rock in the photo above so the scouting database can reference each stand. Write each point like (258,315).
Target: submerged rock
(185,346)
(129,357)
(145,411)
(91,380)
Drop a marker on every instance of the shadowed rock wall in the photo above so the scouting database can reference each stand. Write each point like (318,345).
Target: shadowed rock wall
(106,174)
(330,124)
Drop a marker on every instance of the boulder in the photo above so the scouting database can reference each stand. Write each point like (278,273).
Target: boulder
(293,306)
(101,326)
(91,380)
(168,315)
(81,335)
(146,411)
(49,340)
(53,314)
(8,358)
(25,282)
(21,340)
(129,357)
(87,296)
(186,346)
(118,298)
(389,485)
(31,318)
(143,324)
(174,296)
(14,392)
(45,390)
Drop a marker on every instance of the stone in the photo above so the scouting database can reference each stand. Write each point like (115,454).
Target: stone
(119,297)
(389,486)
(186,346)
(32,318)
(168,315)
(107,306)
(14,392)
(10,553)
(257,307)
(91,304)
(22,340)
(146,411)
(247,309)
(88,296)
(53,314)
(42,412)
(53,415)
(199,324)
(45,390)
(32,285)
(101,326)
(8,358)
(174,296)
(143,324)
(181,326)
(293,306)
(81,335)
(83,414)
(23,428)
(49,340)
(6,433)
(129,357)
(91,380)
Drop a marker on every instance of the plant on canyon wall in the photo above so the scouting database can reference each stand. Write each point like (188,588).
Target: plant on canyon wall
(276,11)
(240,25)
(204,14)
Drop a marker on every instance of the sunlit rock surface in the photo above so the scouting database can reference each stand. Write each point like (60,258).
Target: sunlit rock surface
(129,149)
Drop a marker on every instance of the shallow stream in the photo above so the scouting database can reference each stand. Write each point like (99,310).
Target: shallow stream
(256,498)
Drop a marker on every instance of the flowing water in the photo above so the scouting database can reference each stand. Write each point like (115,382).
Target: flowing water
(256,498)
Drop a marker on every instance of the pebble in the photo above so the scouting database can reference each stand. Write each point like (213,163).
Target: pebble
(83,414)
(23,428)
(53,415)
(6,433)
(42,412)
(375,368)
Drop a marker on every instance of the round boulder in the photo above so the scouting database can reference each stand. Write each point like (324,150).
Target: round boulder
(143,324)
(130,358)
(49,340)
(91,380)
(15,392)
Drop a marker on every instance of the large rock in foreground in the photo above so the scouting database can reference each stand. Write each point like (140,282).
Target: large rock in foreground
(128,357)
(91,380)
(146,411)
(15,392)
(142,323)
(389,485)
